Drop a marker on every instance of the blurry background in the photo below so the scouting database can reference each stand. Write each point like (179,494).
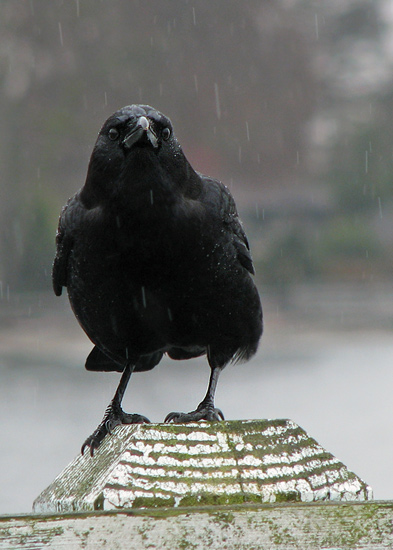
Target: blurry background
(289,102)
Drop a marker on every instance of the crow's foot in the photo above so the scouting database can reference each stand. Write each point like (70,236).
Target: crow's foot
(113,417)
(203,412)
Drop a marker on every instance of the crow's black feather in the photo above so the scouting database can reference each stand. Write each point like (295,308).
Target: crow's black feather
(155,260)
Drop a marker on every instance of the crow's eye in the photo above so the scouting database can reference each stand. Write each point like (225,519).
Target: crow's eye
(166,133)
(113,134)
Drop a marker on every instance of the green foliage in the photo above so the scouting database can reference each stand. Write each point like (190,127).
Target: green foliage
(75,63)
(348,238)
(319,250)
(361,175)
(35,233)
(289,258)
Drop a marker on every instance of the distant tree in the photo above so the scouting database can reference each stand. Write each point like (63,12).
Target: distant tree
(235,77)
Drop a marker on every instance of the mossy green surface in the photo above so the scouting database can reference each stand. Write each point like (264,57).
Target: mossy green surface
(217,463)
(296,525)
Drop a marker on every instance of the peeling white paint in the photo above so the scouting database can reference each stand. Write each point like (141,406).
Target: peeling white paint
(272,431)
(250,460)
(203,436)
(268,459)
(318,480)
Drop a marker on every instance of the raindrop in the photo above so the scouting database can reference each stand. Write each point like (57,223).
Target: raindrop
(143,296)
(1,290)
(118,221)
(170,314)
(259,158)
(105,99)
(193,16)
(247,131)
(18,236)
(61,34)
(77,8)
(257,210)
(240,154)
(316,27)
(160,89)
(369,145)
(297,157)
(196,83)
(151,196)
(380,208)
(218,108)
(366,163)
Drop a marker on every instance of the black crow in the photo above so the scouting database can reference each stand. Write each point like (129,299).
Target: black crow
(155,260)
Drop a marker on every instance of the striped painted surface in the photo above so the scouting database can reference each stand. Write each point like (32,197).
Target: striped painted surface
(219,463)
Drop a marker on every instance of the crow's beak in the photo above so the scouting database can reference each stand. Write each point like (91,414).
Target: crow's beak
(142,128)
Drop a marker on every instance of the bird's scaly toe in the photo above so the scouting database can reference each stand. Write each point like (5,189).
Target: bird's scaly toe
(113,417)
(94,440)
(134,419)
(209,413)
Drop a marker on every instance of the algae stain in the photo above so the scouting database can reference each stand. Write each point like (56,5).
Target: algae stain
(153,502)
(290,496)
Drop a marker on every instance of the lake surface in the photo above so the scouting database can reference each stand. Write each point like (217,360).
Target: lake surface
(334,382)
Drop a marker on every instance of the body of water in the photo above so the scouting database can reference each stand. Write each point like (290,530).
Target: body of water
(334,382)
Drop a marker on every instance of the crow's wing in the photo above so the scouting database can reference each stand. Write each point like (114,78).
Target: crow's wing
(64,242)
(219,196)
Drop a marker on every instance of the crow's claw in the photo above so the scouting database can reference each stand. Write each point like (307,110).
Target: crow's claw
(94,440)
(210,413)
(113,417)
(134,419)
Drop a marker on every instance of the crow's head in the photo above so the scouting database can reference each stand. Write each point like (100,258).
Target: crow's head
(136,147)
(136,126)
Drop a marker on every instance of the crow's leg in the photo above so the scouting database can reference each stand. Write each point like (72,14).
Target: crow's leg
(114,414)
(206,409)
